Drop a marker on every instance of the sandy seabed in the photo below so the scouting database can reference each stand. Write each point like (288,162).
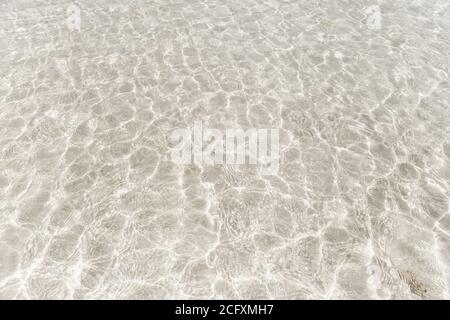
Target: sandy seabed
(91,207)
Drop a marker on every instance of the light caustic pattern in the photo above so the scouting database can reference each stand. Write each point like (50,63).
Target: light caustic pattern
(92,207)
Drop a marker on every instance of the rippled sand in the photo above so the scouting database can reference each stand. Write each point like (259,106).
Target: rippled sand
(91,207)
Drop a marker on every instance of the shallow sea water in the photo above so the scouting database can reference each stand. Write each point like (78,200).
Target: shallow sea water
(91,206)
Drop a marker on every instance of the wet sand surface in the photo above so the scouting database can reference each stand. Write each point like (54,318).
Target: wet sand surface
(91,206)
